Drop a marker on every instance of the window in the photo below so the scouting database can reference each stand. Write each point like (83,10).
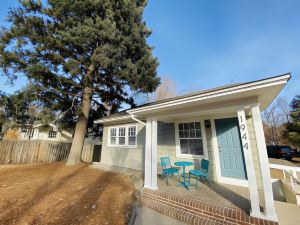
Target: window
(122,132)
(52,134)
(190,138)
(131,135)
(122,136)
(29,133)
(113,136)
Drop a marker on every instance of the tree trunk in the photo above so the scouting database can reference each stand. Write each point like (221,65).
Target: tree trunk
(80,129)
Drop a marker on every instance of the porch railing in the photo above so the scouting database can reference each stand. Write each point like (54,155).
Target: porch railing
(289,174)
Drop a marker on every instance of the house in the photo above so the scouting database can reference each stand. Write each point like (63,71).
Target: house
(222,125)
(40,131)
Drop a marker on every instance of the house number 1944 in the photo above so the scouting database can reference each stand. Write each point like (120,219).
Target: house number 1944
(243,133)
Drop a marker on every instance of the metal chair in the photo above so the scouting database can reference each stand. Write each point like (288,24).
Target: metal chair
(168,169)
(203,172)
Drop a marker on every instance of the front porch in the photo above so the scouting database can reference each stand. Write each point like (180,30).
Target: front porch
(249,195)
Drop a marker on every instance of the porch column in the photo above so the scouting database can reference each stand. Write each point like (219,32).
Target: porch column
(150,180)
(154,156)
(254,198)
(270,211)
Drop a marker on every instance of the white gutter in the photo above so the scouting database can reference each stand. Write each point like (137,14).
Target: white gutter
(137,120)
(103,120)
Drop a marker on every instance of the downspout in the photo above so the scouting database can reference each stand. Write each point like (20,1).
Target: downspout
(137,120)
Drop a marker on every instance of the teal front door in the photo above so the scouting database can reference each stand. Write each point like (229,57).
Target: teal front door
(230,148)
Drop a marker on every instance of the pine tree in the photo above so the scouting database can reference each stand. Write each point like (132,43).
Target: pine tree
(294,126)
(78,53)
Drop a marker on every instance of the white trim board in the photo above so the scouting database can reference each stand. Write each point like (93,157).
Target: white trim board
(270,211)
(247,149)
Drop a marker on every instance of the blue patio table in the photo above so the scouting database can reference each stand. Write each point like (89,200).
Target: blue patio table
(184,164)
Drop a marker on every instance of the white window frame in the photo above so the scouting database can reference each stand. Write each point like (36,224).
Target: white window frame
(123,136)
(109,136)
(203,137)
(132,135)
(51,134)
(126,145)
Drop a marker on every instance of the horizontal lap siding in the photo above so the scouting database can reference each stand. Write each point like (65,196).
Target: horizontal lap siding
(254,152)
(166,146)
(212,165)
(165,143)
(124,157)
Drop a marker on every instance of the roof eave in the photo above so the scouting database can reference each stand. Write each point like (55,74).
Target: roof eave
(282,79)
(255,84)
(113,119)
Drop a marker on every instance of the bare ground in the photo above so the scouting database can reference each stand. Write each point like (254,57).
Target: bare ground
(59,194)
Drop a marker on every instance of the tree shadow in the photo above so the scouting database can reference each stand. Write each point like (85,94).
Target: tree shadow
(232,196)
(70,211)
(37,197)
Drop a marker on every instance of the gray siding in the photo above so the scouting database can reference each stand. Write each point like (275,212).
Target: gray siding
(166,146)
(212,165)
(254,152)
(124,157)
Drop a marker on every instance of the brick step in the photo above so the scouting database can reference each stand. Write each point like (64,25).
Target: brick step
(202,209)
(179,214)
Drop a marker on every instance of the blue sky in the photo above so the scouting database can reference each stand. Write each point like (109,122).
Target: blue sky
(203,44)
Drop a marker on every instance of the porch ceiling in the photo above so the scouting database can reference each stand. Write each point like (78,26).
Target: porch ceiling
(204,110)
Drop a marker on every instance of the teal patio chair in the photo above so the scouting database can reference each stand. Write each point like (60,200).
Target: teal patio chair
(168,169)
(202,173)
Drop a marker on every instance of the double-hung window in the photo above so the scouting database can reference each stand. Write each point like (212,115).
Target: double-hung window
(122,136)
(113,136)
(132,135)
(190,138)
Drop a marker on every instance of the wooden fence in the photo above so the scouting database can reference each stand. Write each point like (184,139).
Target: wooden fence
(38,151)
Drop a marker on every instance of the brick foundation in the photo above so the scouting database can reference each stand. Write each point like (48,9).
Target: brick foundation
(195,211)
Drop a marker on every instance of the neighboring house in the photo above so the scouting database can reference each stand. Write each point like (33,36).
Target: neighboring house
(40,131)
(52,132)
(222,125)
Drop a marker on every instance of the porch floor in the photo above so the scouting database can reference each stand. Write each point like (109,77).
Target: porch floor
(225,195)
(230,196)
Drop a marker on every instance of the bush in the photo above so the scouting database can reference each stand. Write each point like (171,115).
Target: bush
(11,134)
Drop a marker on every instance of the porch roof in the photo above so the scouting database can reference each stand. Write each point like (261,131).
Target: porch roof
(261,91)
